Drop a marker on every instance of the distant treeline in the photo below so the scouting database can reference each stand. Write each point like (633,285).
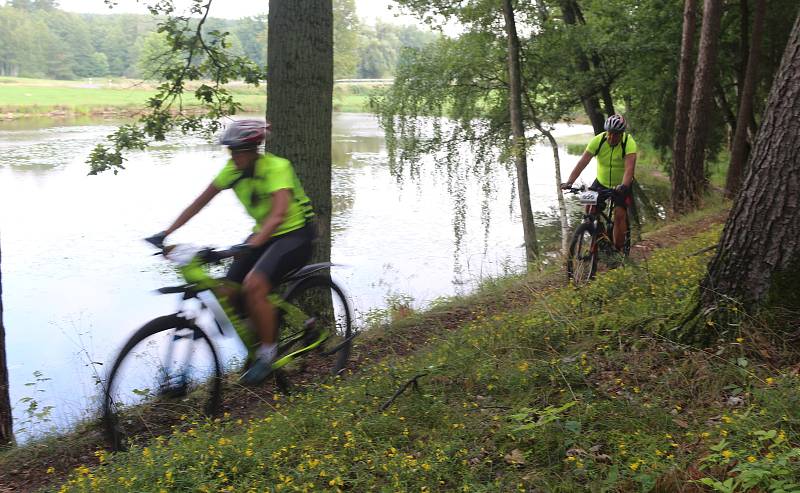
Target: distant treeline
(39,40)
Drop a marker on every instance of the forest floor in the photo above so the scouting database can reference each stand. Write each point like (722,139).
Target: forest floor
(52,460)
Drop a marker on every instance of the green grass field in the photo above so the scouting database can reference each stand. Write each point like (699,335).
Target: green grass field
(39,96)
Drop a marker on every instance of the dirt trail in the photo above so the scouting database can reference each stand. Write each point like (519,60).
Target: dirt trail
(27,472)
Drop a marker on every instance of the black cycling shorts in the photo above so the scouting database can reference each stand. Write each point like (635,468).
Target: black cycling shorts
(279,256)
(623,200)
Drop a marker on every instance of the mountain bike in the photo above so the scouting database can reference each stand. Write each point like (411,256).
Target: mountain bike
(170,368)
(594,237)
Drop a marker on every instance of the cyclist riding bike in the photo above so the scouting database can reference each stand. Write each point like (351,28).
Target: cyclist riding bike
(615,151)
(270,191)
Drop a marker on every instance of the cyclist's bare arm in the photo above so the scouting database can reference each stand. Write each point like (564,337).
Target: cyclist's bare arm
(630,166)
(204,198)
(580,166)
(280,204)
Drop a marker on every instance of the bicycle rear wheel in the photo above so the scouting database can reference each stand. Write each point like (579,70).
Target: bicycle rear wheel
(318,307)
(167,372)
(582,257)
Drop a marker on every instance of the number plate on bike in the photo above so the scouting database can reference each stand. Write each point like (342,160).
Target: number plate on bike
(588,197)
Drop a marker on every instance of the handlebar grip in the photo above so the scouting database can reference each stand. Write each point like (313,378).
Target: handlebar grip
(157,240)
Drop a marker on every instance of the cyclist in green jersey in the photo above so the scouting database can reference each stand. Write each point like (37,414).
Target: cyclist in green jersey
(272,194)
(615,151)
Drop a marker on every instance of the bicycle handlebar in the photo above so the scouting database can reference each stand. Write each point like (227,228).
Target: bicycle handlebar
(208,255)
(602,194)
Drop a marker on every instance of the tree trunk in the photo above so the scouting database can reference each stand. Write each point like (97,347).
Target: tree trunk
(6,430)
(518,132)
(300,98)
(562,206)
(725,109)
(701,104)
(591,104)
(744,47)
(760,246)
(679,173)
(608,101)
(740,144)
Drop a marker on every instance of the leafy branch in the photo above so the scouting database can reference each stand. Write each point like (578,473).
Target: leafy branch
(202,56)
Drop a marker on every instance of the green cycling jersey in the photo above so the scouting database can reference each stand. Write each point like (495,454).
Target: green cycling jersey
(610,159)
(254,189)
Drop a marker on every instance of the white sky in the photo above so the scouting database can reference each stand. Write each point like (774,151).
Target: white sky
(367,10)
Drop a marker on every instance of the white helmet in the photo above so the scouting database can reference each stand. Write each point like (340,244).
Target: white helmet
(245,134)
(615,123)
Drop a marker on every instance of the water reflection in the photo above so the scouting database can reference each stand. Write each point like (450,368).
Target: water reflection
(78,279)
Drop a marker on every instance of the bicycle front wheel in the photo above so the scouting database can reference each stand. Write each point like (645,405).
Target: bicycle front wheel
(166,373)
(318,308)
(582,257)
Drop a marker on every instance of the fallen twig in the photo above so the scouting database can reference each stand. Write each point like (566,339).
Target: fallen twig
(402,389)
(703,250)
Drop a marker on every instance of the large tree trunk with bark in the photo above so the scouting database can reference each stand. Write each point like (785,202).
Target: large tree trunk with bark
(740,143)
(679,173)
(300,99)
(518,132)
(697,137)
(591,104)
(758,258)
(6,430)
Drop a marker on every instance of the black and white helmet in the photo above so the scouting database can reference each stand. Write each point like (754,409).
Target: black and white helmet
(615,123)
(245,134)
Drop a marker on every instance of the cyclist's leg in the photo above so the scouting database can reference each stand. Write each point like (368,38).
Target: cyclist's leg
(621,202)
(283,254)
(620,227)
(242,264)
(598,187)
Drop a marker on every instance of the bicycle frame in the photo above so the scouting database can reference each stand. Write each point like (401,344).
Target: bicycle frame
(594,214)
(208,291)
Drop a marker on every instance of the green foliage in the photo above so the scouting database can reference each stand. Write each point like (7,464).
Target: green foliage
(39,40)
(33,413)
(380,48)
(195,54)
(154,55)
(346,41)
(124,138)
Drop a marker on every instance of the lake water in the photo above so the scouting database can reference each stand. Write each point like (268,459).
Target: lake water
(77,279)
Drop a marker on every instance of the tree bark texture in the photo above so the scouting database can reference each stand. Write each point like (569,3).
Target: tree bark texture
(697,137)
(591,104)
(744,47)
(761,239)
(679,171)
(608,100)
(300,99)
(740,144)
(6,429)
(518,132)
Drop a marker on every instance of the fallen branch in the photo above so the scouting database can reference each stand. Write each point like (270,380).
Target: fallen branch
(703,250)
(402,389)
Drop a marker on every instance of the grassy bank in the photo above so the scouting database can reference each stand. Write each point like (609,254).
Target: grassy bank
(35,97)
(564,391)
